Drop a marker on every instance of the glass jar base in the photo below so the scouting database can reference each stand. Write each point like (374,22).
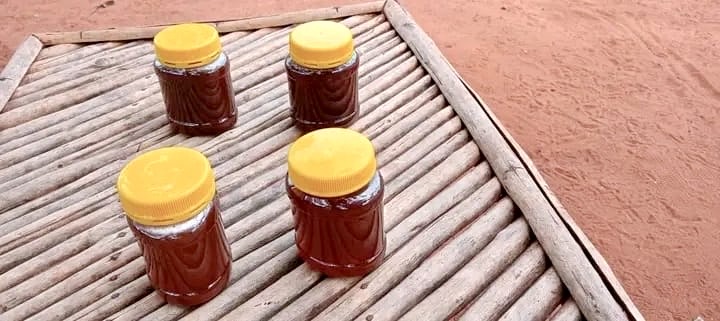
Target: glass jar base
(332,270)
(204,129)
(195,299)
(307,126)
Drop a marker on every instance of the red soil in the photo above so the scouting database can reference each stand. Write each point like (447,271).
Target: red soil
(617,103)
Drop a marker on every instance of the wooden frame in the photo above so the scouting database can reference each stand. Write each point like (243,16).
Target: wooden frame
(590,280)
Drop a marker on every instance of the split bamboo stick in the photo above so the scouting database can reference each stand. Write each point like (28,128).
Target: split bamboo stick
(54,51)
(77,55)
(538,301)
(436,180)
(298,17)
(407,258)
(505,289)
(456,292)
(63,251)
(115,34)
(60,144)
(152,301)
(432,122)
(385,68)
(54,201)
(45,227)
(42,79)
(92,293)
(577,272)
(104,68)
(125,296)
(111,100)
(248,39)
(17,67)
(568,312)
(59,101)
(52,237)
(435,146)
(396,115)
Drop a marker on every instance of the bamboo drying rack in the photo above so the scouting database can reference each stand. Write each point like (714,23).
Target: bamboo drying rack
(64,252)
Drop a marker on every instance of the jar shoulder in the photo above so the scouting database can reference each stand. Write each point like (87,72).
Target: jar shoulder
(371,196)
(220,63)
(293,67)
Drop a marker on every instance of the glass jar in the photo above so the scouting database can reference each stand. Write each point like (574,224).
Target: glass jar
(336,194)
(322,73)
(170,203)
(194,76)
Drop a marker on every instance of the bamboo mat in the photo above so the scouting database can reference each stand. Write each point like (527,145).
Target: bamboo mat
(458,247)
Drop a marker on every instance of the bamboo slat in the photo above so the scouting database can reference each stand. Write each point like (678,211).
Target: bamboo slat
(57,50)
(16,68)
(461,233)
(538,301)
(567,312)
(504,290)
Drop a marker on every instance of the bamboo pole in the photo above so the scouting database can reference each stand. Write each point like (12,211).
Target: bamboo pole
(17,67)
(59,101)
(104,68)
(301,16)
(431,123)
(54,51)
(111,100)
(568,312)
(44,227)
(58,146)
(492,252)
(83,52)
(583,281)
(538,301)
(505,289)
(115,34)
(44,78)
(64,251)
(57,200)
(92,293)
(442,142)
(428,95)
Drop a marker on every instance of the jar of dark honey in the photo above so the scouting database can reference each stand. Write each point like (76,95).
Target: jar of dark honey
(194,76)
(322,73)
(168,196)
(336,194)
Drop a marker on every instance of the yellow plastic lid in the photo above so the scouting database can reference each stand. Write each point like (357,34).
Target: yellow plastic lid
(321,44)
(331,162)
(166,186)
(187,45)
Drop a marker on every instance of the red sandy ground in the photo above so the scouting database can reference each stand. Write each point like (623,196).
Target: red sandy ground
(616,102)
